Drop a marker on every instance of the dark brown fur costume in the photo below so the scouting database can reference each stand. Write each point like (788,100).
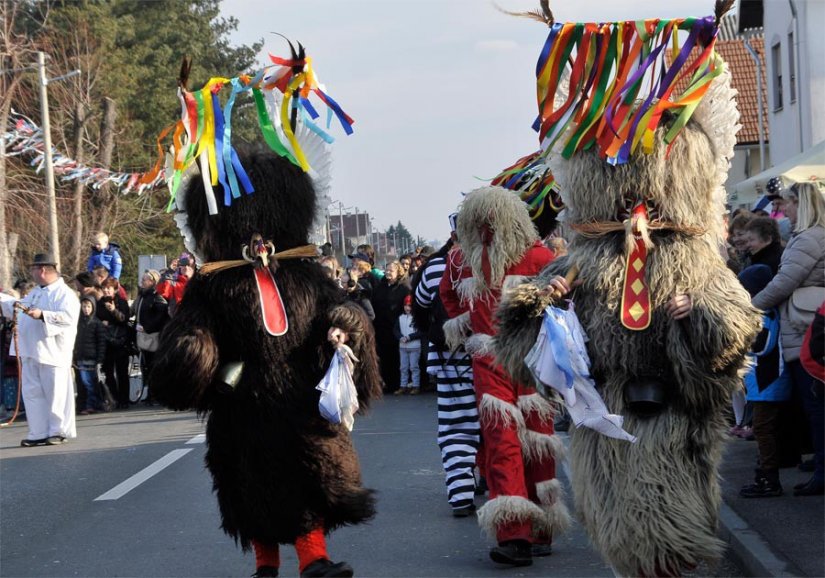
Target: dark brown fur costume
(279,468)
(649,507)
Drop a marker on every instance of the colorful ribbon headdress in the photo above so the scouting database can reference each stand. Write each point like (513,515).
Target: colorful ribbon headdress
(286,116)
(532,180)
(608,85)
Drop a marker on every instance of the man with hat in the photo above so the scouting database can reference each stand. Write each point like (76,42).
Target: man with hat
(774,195)
(47,325)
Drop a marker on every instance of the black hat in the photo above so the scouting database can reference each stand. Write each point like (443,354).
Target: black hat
(43,259)
(361,256)
(755,278)
(85,279)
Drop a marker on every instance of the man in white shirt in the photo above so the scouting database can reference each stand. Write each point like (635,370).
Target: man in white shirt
(46,326)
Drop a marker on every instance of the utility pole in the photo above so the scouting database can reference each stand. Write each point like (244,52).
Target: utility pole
(357,228)
(54,242)
(341,217)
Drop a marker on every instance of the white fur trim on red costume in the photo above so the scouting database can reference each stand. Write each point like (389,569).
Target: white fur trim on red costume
(468,291)
(537,446)
(505,510)
(534,403)
(495,412)
(456,330)
(479,345)
(556,517)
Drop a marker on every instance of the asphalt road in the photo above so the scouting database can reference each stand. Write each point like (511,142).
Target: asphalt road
(130,497)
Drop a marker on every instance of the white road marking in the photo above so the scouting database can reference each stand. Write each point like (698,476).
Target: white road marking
(130,484)
(198,439)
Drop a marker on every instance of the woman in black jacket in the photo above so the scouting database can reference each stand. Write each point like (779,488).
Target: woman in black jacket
(151,312)
(113,311)
(388,302)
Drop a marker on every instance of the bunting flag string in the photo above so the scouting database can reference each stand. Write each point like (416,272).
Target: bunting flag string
(621,79)
(281,96)
(24,138)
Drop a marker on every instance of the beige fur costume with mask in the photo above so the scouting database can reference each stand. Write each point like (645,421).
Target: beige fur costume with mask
(650,507)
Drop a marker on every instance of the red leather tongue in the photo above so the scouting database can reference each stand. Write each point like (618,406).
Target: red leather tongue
(272,306)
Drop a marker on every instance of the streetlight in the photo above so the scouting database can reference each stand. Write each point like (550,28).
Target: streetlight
(47,145)
(341,208)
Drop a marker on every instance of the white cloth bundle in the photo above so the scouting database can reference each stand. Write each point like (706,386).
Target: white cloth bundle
(559,360)
(339,398)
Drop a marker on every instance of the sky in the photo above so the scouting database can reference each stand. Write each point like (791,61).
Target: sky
(442,91)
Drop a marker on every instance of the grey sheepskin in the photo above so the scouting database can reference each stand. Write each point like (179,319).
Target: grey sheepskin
(651,507)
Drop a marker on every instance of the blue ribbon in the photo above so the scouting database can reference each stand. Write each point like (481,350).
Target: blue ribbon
(328,138)
(232,166)
(558,337)
(221,139)
(342,118)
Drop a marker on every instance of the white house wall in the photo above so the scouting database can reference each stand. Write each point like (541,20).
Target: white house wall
(786,140)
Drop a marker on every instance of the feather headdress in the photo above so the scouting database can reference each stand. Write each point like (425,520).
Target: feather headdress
(281,94)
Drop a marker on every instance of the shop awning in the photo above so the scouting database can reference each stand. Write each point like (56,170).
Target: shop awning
(808,166)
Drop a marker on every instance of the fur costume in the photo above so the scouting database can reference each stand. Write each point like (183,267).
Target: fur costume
(498,248)
(282,473)
(650,507)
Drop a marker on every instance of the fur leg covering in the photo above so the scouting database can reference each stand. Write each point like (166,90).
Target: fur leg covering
(651,507)
(505,510)
(555,518)
(535,446)
(538,446)
(456,330)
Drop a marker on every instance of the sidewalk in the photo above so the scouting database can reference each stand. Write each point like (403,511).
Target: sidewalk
(782,536)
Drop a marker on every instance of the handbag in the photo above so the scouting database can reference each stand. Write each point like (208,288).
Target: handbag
(802,306)
(147,341)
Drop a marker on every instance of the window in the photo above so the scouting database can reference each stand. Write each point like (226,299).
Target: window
(776,61)
(791,68)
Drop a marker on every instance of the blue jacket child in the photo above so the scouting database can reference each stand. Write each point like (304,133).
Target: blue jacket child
(768,379)
(768,383)
(106,254)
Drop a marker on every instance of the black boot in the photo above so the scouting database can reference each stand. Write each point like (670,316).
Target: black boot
(266,572)
(513,552)
(324,567)
(766,485)
(810,488)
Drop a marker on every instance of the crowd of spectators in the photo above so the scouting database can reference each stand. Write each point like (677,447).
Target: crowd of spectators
(784,407)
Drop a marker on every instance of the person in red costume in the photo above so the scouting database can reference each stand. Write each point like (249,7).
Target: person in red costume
(172,287)
(500,248)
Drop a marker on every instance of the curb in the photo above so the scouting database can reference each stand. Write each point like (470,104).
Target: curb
(750,549)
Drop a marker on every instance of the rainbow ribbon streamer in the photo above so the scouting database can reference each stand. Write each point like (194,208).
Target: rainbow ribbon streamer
(622,77)
(203,134)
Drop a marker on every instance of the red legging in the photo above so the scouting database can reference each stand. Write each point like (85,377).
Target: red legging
(505,469)
(309,547)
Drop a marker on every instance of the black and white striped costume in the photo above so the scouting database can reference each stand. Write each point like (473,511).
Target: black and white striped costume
(459,434)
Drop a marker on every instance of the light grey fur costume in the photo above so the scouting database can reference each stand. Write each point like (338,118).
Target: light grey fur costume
(651,507)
